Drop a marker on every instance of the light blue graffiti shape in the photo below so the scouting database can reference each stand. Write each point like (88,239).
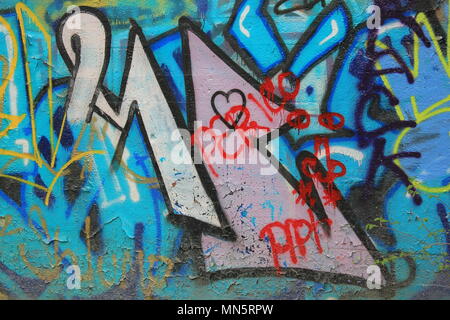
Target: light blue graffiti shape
(167,51)
(324,35)
(252,30)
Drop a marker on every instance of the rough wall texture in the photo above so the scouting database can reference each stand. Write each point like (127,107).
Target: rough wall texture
(214,149)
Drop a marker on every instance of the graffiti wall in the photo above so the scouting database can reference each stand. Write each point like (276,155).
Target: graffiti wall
(211,149)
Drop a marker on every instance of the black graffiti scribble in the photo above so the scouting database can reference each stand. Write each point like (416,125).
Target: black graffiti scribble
(304,5)
(220,109)
(364,68)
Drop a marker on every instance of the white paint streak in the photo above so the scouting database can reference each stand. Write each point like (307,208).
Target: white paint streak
(244,14)
(105,204)
(182,183)
(134,193)
(12,86)
(334,32)
(349,152)
(25,148)
(390,26)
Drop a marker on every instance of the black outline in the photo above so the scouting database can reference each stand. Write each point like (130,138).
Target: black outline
(227,96)
(300,7)
(305,38)
(224,231)
(75,41)
(245,54)
(339,62)
(195,239)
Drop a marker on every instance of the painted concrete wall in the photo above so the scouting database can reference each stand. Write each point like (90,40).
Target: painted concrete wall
(209,149)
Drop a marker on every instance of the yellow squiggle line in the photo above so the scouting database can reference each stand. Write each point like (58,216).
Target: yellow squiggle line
(30,93)
(58,174)
(14,122)
(424,113)
(415,70)
(5,70)
(21,7)
(14,60)
(52,165)
(415,107)
(432,110)
(28,156)
(23,181)
(422,18)
(396,148)
(8,164)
